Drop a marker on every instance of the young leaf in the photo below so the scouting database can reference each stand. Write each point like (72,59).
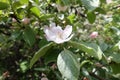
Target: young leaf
(40,53)
(68,65)
(71,18)
(29,36)
(35,11)
(91,49)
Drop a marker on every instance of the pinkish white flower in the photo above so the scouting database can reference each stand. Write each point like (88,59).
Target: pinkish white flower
(93,35)
(26,21)
(56,34)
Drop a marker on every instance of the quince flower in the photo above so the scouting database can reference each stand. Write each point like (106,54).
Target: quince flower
(56,34)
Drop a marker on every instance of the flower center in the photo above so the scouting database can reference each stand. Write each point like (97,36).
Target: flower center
(59,35)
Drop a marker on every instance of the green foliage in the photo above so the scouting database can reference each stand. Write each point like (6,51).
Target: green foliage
(91,49)
(3,5)
(26,52)
(29,36)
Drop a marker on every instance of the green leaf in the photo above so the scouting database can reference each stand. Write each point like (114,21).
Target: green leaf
(68,65)
(40,52)
(115,70)
(103,1)
(66,2)
(116,30)
(16,34)
(91,4)
(103,46)
(100,10)
(46,16)
(116,46)
(3,5)
(24,66)
(91,49)
(29,36)
(35,11)
(16,5)
(24,1)
(91,17)
(115,57)
(48,58)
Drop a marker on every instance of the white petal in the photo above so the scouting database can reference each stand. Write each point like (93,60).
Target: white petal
(56,30)
(67,31)
(58,41)
(49,34)
(52,25)
(68,38)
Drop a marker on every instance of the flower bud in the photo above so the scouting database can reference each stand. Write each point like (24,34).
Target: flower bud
(61,8)
(93,35)
(14,20)
(26,21)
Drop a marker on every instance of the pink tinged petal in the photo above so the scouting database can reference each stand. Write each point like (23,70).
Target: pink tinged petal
(59,40)
(49,34)
(67,31)
(56,29)
(58,35)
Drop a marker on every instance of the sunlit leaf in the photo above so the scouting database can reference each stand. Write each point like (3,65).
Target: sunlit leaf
(35,11)
(68,65)
(24,1)
(91,49)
